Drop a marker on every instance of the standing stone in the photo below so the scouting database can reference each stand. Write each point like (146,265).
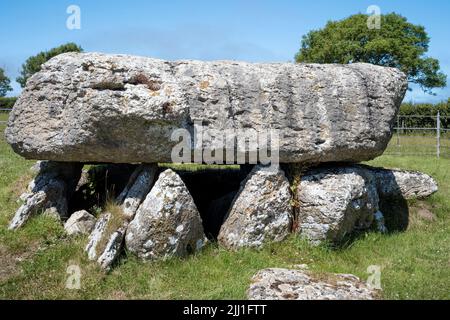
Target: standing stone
(167,223)
(286,284)
(48,192)
(130,199)
(335,201)
(113,247)
(110,228)
(137,188)
(95,107)
(80,222)
(260,212)
(96,235)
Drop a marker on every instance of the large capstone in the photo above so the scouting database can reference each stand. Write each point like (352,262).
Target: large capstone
(124,109)
(167,223)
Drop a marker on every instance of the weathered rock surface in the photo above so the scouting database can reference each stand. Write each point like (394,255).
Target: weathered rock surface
(129,200)
(96,235)
(113,247)
(137,189)
(123,109)
(80,222)
(395,187)
(405,184)
(337,200)
(261,211)
(286,284)
(48,192)
(167,223)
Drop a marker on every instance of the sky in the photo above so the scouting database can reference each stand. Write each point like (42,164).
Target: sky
(248,30)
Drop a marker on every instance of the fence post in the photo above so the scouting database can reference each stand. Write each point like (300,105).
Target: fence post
(398,131)
(438,135)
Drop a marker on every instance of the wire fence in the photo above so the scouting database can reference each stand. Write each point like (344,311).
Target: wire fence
(414,135)
(419,135)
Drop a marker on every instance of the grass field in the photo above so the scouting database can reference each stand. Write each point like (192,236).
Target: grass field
(34,260)
(3,116)
(419,145)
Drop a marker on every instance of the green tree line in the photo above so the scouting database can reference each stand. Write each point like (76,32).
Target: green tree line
(426,112)
(7,102)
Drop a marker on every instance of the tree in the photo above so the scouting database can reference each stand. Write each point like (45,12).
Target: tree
(34,63)
(397,43)
(4,83)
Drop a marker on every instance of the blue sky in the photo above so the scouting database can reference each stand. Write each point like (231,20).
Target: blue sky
(250,30)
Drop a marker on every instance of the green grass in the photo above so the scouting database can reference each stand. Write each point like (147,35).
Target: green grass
(415,264)
(419,145)
(4,116)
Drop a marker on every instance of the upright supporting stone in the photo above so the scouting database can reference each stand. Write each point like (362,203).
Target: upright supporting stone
(167,223)
(129,201)
(333,202)
(137,188)
(48,192)
(96,235)
(395,187)
(113,247)
(261,211)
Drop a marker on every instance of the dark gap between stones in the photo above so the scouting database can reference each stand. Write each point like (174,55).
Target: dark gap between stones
(213,189)
(98,184)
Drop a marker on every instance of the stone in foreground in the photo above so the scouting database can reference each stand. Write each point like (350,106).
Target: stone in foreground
(123,109)
(167,223)
(260,212)
(113,247)
(80,222)
(286,284)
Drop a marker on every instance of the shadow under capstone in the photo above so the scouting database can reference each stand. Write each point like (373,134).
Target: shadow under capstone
(98,184)
(213,191)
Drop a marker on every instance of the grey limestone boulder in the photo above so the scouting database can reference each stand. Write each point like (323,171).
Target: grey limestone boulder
(334,201)
(96,236)
(261,211)
(292,284)
(110,232)
(167,223)
(94,107)
(404,183)
(80,222)
(48,192)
